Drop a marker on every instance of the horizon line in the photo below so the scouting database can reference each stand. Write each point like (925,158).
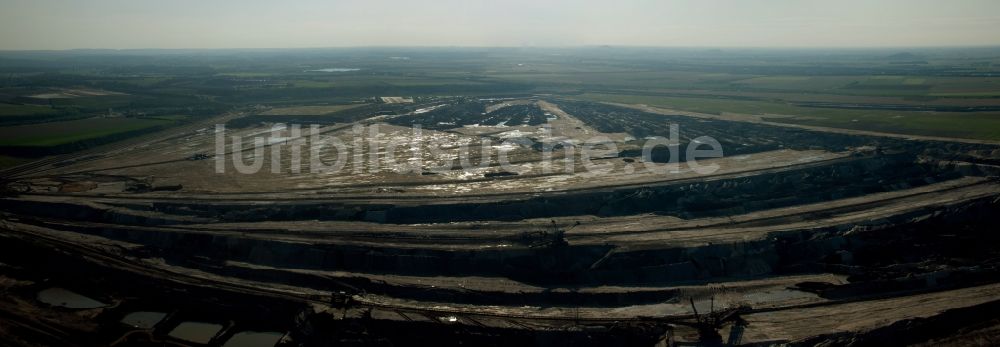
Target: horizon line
(886,47)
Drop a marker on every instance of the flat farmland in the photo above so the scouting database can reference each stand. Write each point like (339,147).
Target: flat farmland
(308,110)
(66,132)
(973,125)
(10,110)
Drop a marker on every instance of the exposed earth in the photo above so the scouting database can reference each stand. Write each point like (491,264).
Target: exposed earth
(802,235)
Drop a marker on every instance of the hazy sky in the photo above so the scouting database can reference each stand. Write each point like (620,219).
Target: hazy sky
(61,24)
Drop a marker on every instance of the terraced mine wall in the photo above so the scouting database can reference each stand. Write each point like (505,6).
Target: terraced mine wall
(686,199)
(698,199)
(845,248)
(239,311)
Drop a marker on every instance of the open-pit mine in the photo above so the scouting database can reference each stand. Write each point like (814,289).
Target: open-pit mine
(532,220)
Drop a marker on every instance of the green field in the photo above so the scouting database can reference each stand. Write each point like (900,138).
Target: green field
(975,125)
(308,110)
(10,110)
(985,94)
(172,117)
(66,132)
